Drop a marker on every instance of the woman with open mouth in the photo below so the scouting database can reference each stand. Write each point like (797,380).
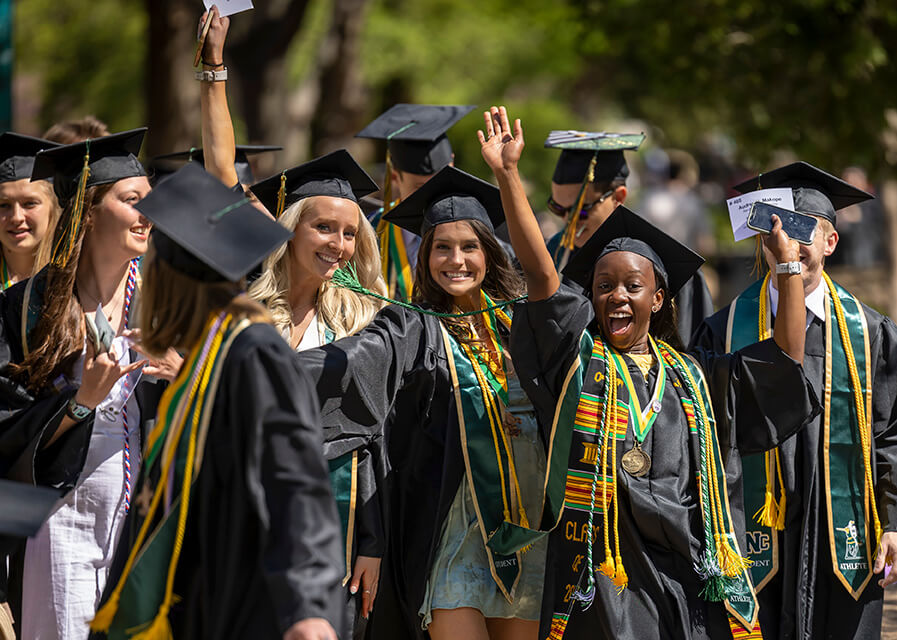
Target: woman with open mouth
(74,408)
(28,210)
(466,547)
(649,544)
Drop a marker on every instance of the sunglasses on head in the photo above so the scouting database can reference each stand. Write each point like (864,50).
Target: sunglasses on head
(562,211)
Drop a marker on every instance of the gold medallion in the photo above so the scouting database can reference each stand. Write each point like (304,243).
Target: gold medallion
(636,462)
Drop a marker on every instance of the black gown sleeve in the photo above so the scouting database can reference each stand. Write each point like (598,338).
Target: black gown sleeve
(289,485)
(28,422)
(369,513)
(545,341)
(358,377)
(884,417)
(760,396)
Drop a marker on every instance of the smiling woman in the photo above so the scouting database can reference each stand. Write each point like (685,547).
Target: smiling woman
(73,413)
(28,210)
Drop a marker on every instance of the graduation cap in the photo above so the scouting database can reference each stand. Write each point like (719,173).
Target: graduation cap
(25,508)
(625,230)
(241,159)
(815,192)
(206,231)
(578,148)
(75,167)
(449,196)
(415,135)
(108,159)
(336,175)
(17,155)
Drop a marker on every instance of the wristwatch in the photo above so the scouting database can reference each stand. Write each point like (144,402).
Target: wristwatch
(77,412)
(211,76)
(789,268)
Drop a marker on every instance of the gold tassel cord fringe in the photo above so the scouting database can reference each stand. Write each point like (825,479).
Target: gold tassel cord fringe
(569,238)
(859,405)
(65,243)
(281,196)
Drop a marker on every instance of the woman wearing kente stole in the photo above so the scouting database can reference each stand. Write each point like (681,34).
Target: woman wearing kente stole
(820,508)
(646,546)
(466,546)
(234,532)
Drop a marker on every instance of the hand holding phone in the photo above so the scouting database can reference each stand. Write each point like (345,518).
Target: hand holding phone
(798,226)
(99,331)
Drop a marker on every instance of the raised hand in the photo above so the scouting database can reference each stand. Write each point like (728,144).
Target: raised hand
(780,245)
(500,147)
(213,48)
(101,372)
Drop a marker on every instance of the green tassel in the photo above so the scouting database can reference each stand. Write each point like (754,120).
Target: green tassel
(346,277)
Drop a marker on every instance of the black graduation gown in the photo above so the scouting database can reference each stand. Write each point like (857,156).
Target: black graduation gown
(395,373)
(262,542)
(805,600)
(27,422)
(660,525)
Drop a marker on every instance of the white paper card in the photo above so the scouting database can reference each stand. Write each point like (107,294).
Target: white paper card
(229,7)
(740,208)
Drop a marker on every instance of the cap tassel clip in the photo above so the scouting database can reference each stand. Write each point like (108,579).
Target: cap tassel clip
(281,195)
(65,243)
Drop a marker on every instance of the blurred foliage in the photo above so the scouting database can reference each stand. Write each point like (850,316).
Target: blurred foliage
(815,77)
(89,57)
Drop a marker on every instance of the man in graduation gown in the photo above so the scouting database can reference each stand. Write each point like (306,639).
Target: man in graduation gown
(589,182)
(261,553)
(816,507)
(417,149)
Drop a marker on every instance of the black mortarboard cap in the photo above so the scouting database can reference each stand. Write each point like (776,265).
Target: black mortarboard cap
(625,230)
(241,159)
(449,196)
(206,231)
(578,148)
(415,135)
(25,507)
(336,174)
(112,158)
(815,192)
(17,155)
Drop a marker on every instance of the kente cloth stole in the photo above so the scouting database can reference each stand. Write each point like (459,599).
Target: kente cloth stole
(506,530)
(138,605)
(588,492)
(853,526)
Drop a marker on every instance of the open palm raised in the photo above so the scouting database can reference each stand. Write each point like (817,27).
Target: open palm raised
(500,147)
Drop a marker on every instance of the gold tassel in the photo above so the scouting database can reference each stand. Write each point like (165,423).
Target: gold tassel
(569,237)
(62,250)
(768,513)
(106,614)
(607,567)
(159,628)
(621,580)
(780,519)
(730,562)
(281,195)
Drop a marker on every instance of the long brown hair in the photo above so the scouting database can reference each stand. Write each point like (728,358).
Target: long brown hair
(57,340)
(174,308)
(502,281)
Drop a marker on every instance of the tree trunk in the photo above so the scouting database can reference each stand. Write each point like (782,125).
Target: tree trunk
(171,91)
(341,96)
(889,203)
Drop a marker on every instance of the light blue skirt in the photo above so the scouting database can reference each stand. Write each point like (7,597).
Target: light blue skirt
(460,576)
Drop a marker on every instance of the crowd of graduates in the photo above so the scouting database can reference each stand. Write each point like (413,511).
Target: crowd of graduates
(286,409)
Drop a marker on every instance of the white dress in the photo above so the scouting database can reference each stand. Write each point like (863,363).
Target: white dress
(67,562)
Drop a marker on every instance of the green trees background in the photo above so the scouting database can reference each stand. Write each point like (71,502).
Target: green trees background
(817,77)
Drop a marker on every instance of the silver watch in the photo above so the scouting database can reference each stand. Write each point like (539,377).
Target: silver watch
(212,76)
(789,268)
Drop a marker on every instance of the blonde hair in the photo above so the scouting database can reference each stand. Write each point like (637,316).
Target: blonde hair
(344,312)
(174,308)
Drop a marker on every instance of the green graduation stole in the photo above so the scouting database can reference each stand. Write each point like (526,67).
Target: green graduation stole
(138,606)
(592,479)
(489,464)
(847,401)
(5,282)
(344,482)
(393,254)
